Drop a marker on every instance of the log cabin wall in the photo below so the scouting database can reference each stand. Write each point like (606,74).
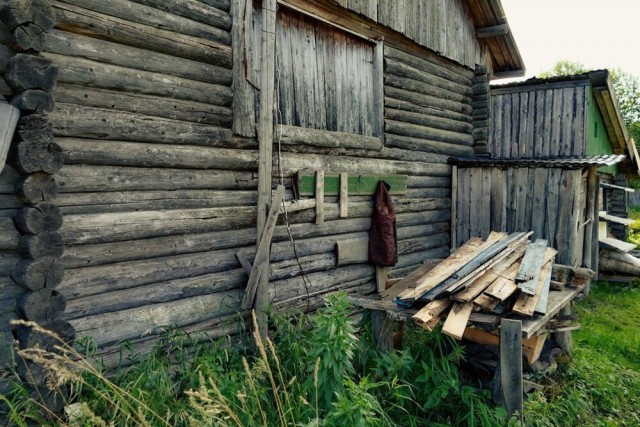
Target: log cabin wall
(155,112)
(539,120)
(529,199)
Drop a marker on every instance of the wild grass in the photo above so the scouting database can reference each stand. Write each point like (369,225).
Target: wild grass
(319,370)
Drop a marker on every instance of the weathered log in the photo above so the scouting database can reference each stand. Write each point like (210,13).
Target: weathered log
(85,203)
(32,373)
(293,135)
(5,56)
(28,37)
(76,45)
(127,324)
(424,101)
(434,66)
(428,93)
(42,273)
(175,109)
(22,12)
(48,244)
(33,101)
(436,87)
(8,261)
(403,111)
(27,71)
(78,71)
(28,337)
(36,156)
(107,27)
(43,217)
(411,143)
(408,155)
(170,290)
(218,4)
(9,235)
(75,121)
(41,306)
(156,17)
(36,188)
(426,133)
(90,179)
(195,10)
(619,262)
(5,90)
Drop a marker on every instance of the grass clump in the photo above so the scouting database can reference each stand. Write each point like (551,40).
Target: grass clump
(315,372)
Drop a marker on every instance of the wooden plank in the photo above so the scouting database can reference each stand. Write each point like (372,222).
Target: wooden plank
(445,269)
(358,185)
(352,251)
(244,117)
(431,311)
(9,116)
(319,197)
(344,195)
(503,287)
(541,306)
(410,280)
(615,244)
(557,300)
(511,364)
(382,275)
(615,219)
(454,206)
(530,266)
(526,304)
(457,320)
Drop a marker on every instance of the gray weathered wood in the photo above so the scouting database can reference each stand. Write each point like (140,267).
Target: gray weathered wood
(244,114)
(38,274)
(511,364)
(9,116)
(36,188)
(541,306)
(531,263)
(293,135)
(41,306)
(47,244)
(30,72)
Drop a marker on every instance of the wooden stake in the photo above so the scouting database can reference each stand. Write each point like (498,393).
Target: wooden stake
(320,196)
(382,274)
(511,364)
(344,195)
(265,166)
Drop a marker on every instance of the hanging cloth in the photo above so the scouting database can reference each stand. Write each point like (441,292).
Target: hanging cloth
(383,248)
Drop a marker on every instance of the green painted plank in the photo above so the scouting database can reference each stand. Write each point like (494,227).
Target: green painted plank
(358,185)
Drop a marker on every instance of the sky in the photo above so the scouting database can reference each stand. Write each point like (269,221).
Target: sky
(597,33)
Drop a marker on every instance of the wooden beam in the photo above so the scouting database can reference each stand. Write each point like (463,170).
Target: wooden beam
(493,31)
(457,320)
(382,274)
(511,364)
(9,116)
(320,197)
(361,185)
(344,195)
(265,165)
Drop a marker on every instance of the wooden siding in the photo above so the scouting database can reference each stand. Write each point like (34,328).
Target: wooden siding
(597,137)
(548,201)
(325,76)
(444,26)
(538,121)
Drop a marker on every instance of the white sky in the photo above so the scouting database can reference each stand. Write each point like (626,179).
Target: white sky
(597,33)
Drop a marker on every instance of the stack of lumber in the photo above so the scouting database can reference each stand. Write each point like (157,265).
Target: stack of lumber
(506,275)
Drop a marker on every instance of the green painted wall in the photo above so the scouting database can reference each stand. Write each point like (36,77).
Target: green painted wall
(598,141)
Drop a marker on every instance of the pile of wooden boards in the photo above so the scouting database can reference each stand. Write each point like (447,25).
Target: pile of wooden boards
(506,275)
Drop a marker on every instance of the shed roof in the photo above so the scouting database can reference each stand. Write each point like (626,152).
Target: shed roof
(572,162)
(492,31)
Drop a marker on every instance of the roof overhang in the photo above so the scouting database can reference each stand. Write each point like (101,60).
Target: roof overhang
(567,162)
(494,34)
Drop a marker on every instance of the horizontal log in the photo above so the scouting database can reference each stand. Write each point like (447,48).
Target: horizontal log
(169,290)
(9,290)
(115,153)
(127,324)
(26,71)
(429,93)
(84,203)
(396,137)
(36,188)
(29,337)
(85,122)
(43,217)
(399,110)
(31,156)
(47,244)
(195,10)
(33,101)
(427,133)
(9,235)
(429,193)
(435,67)
(78,71)
(41,306)
(218,4)
(428,182)
(38,274)
(424,101)
(293,135)
(94,24)
(89,179)
(102,51)
(169,108)
(8,178)
(436,86)
(216,30)
(27,38)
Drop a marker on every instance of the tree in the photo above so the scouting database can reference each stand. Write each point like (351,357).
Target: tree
(627,87)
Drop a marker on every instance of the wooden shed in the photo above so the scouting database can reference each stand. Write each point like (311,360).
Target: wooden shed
(154,131)
(575,115)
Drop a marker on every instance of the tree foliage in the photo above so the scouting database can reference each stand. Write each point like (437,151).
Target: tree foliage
(626,85)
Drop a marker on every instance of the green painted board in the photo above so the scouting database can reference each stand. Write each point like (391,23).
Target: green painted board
(358,184)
